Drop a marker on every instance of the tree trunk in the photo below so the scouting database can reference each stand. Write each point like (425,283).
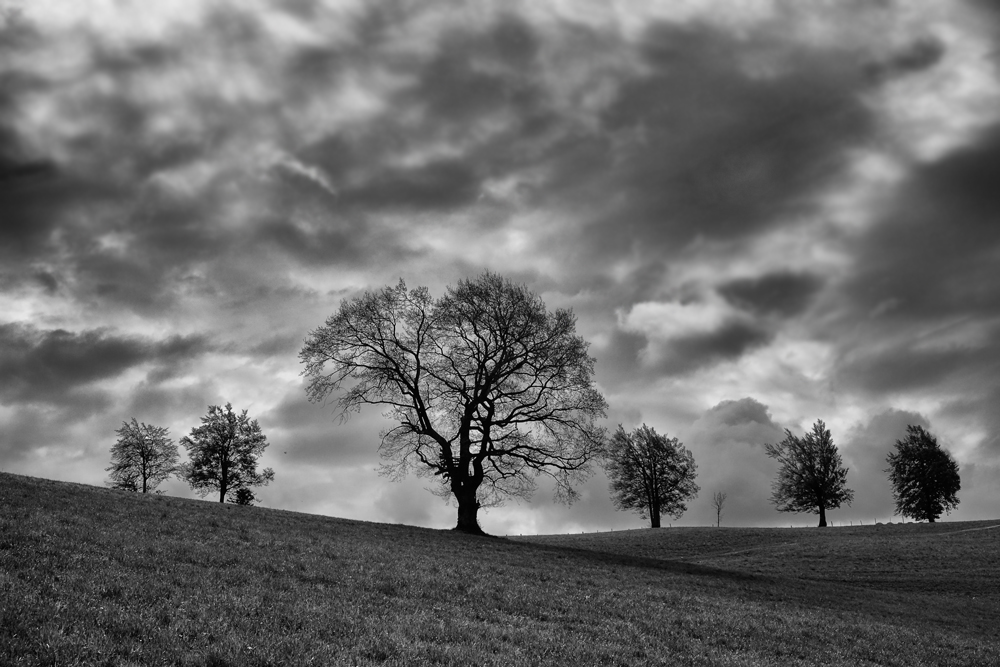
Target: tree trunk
(468,514)
(822,516)
(654,508)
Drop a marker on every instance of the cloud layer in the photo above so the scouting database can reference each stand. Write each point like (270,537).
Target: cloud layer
(761,216)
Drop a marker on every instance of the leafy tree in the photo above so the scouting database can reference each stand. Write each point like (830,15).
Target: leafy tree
(925,479)
(718,502)
(244,496)
(141,458)
(485,387)
(812,477)
(650,473)
(223,454)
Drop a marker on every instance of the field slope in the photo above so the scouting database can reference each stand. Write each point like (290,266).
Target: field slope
(91,576)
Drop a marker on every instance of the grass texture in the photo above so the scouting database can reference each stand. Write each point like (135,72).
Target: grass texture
(90,576)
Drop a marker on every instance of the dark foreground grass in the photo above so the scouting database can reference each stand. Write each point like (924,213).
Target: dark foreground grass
(96,577)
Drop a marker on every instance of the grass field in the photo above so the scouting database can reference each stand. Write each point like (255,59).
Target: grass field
(90,576)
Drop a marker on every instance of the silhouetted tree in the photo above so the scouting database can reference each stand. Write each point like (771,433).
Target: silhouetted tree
(812,477)
(718,502)
(223,454)
(487,389)
(141,458)
(650,473)
(244,496)
(925,479)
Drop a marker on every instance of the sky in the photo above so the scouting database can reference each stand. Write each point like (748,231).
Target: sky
(762,213)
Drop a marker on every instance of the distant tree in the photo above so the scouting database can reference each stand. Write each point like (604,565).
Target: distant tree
(244,496)
(650,473)
(718,502)
(925,479)
(141,458)
(223,454)
(812,477)
(487,388)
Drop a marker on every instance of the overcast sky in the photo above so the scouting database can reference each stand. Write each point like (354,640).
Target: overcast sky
(763,213)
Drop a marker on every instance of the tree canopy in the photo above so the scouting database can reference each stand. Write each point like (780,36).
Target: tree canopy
(223,454)
(924,476)
(142,457)
(484,387)
(812,477)
(650,473)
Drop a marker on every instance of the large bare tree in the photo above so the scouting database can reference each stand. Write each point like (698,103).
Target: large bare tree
(486,389)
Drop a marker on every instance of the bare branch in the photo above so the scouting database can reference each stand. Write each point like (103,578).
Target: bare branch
(488,388)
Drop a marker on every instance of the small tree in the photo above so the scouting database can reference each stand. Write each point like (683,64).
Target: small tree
(486,389)
(224,452)
(244,496)
(141,458)
(718,502)
(812,477)
(650,473)
(925,479)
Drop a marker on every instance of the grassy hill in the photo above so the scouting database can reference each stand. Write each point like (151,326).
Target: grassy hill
(97,577)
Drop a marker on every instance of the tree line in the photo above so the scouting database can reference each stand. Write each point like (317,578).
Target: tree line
(222,456)
(654,475)
(486,389)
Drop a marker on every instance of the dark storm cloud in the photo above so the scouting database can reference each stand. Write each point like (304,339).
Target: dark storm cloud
(44,366)
(692,352)
(702,146)
(135,215)
(32,427)
(476,77)
(442,184)
(760,145)
(746,414)
(934,254)
(475,73)
(34,197)
(784,294)
(906,365)
(917,56)
(94,181)
(979,406)
(920,311)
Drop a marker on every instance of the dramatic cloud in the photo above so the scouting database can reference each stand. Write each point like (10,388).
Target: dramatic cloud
(47,366)
(762,213)
(779,294)
(728,444)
